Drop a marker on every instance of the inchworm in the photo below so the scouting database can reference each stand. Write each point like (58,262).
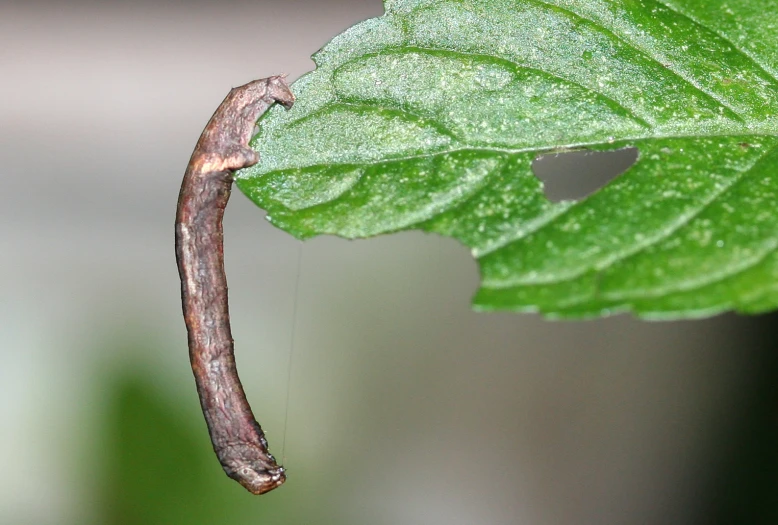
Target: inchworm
(223,148)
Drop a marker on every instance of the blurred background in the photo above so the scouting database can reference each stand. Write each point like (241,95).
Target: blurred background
(395,405)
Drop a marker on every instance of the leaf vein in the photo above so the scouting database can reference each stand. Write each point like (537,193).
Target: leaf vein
(645,53)
(637,248)
(722,36)
(432,51)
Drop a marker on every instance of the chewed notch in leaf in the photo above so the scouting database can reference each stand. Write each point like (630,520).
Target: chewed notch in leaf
(573,175)
(431,116)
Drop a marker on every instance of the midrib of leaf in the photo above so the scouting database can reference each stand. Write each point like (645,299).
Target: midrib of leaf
(715,96)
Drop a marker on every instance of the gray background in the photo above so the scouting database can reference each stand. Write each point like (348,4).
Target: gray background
(403,406)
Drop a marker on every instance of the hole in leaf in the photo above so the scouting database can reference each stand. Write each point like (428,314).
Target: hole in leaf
(575,174)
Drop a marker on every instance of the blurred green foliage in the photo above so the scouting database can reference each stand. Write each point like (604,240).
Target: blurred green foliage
(160,468)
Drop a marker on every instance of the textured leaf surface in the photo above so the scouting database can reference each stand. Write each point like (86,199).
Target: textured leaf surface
(430,117)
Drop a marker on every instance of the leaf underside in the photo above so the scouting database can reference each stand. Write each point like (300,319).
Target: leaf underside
(429,118)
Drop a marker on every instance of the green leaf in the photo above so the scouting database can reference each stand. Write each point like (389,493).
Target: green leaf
(430,117)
